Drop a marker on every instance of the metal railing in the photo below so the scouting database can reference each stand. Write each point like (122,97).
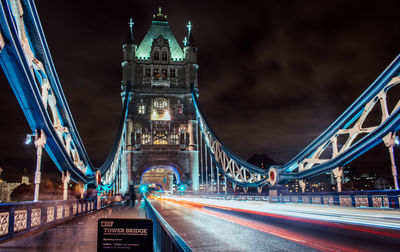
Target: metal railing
(389,199)
(376,199)
(23,217)
(165,238)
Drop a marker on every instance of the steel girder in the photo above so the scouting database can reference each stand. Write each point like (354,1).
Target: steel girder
(236,170)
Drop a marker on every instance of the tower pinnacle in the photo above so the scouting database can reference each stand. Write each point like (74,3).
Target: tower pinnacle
(185,41)
(130,35)
(159,16)
(189,41)
(189,26)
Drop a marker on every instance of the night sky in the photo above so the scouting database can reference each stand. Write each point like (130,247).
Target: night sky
(273,75)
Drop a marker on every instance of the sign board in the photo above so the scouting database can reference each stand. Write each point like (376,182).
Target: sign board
(124,235)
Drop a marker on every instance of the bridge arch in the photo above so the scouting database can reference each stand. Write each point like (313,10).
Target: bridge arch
(161,173)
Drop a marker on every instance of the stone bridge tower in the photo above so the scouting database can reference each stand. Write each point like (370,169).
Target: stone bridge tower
(162,128)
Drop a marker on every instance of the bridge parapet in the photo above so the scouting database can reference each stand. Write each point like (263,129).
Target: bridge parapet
(389,199)
(23,217)
(375,199)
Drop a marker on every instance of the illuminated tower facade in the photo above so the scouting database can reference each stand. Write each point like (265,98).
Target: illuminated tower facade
(161,141)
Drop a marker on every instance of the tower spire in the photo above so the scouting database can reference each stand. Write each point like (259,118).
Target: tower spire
(130,39)
(189,41)
(189,26)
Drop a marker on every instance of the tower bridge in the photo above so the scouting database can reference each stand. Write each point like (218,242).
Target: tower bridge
(164,139)
(161,123)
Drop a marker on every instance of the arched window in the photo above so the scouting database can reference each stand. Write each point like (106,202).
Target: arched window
(142,109)
(156,56)
(164,56)
(160,110)
(160,103)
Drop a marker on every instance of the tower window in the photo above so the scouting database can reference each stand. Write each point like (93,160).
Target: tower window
(146,138)
(160,139)
(160,110)
(156,55)
(172,73)
(164,56)
(142,109)
(160,103)
(147,72)
(174,139)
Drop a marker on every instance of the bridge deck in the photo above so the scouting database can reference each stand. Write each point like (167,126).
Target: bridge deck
(207,228)
(79,234)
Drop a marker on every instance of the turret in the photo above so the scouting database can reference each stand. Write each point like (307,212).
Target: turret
(190,51)
(128,58)
(190,48)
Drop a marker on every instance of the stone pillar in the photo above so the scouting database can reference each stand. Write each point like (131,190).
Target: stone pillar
(194,170)
(192,130)
(170,182)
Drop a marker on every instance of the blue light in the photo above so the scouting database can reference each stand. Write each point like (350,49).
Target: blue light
(143,188)
(28,139)
(181,187)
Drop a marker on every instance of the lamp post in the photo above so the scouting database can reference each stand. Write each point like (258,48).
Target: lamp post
(40,142)
(390,141)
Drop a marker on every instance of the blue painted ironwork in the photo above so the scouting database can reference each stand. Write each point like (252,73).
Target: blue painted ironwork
(27,63)
(308,163)
(230,165)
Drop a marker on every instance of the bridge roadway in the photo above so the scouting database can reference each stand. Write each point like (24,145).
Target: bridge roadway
(218,225)
(224,225)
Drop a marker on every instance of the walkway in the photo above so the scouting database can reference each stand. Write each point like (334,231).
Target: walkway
(79,234)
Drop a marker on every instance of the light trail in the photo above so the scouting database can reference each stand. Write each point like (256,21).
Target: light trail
(360,220)
(296,237)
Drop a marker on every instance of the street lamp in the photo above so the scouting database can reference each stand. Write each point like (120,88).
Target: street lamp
(28,139)
(40,142)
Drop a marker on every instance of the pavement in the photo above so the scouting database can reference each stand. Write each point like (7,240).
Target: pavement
(79,234)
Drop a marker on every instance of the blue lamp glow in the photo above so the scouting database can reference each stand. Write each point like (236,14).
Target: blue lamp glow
(181,187)
(143,188)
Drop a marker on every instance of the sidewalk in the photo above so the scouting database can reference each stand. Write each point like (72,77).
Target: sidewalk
(79,234)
